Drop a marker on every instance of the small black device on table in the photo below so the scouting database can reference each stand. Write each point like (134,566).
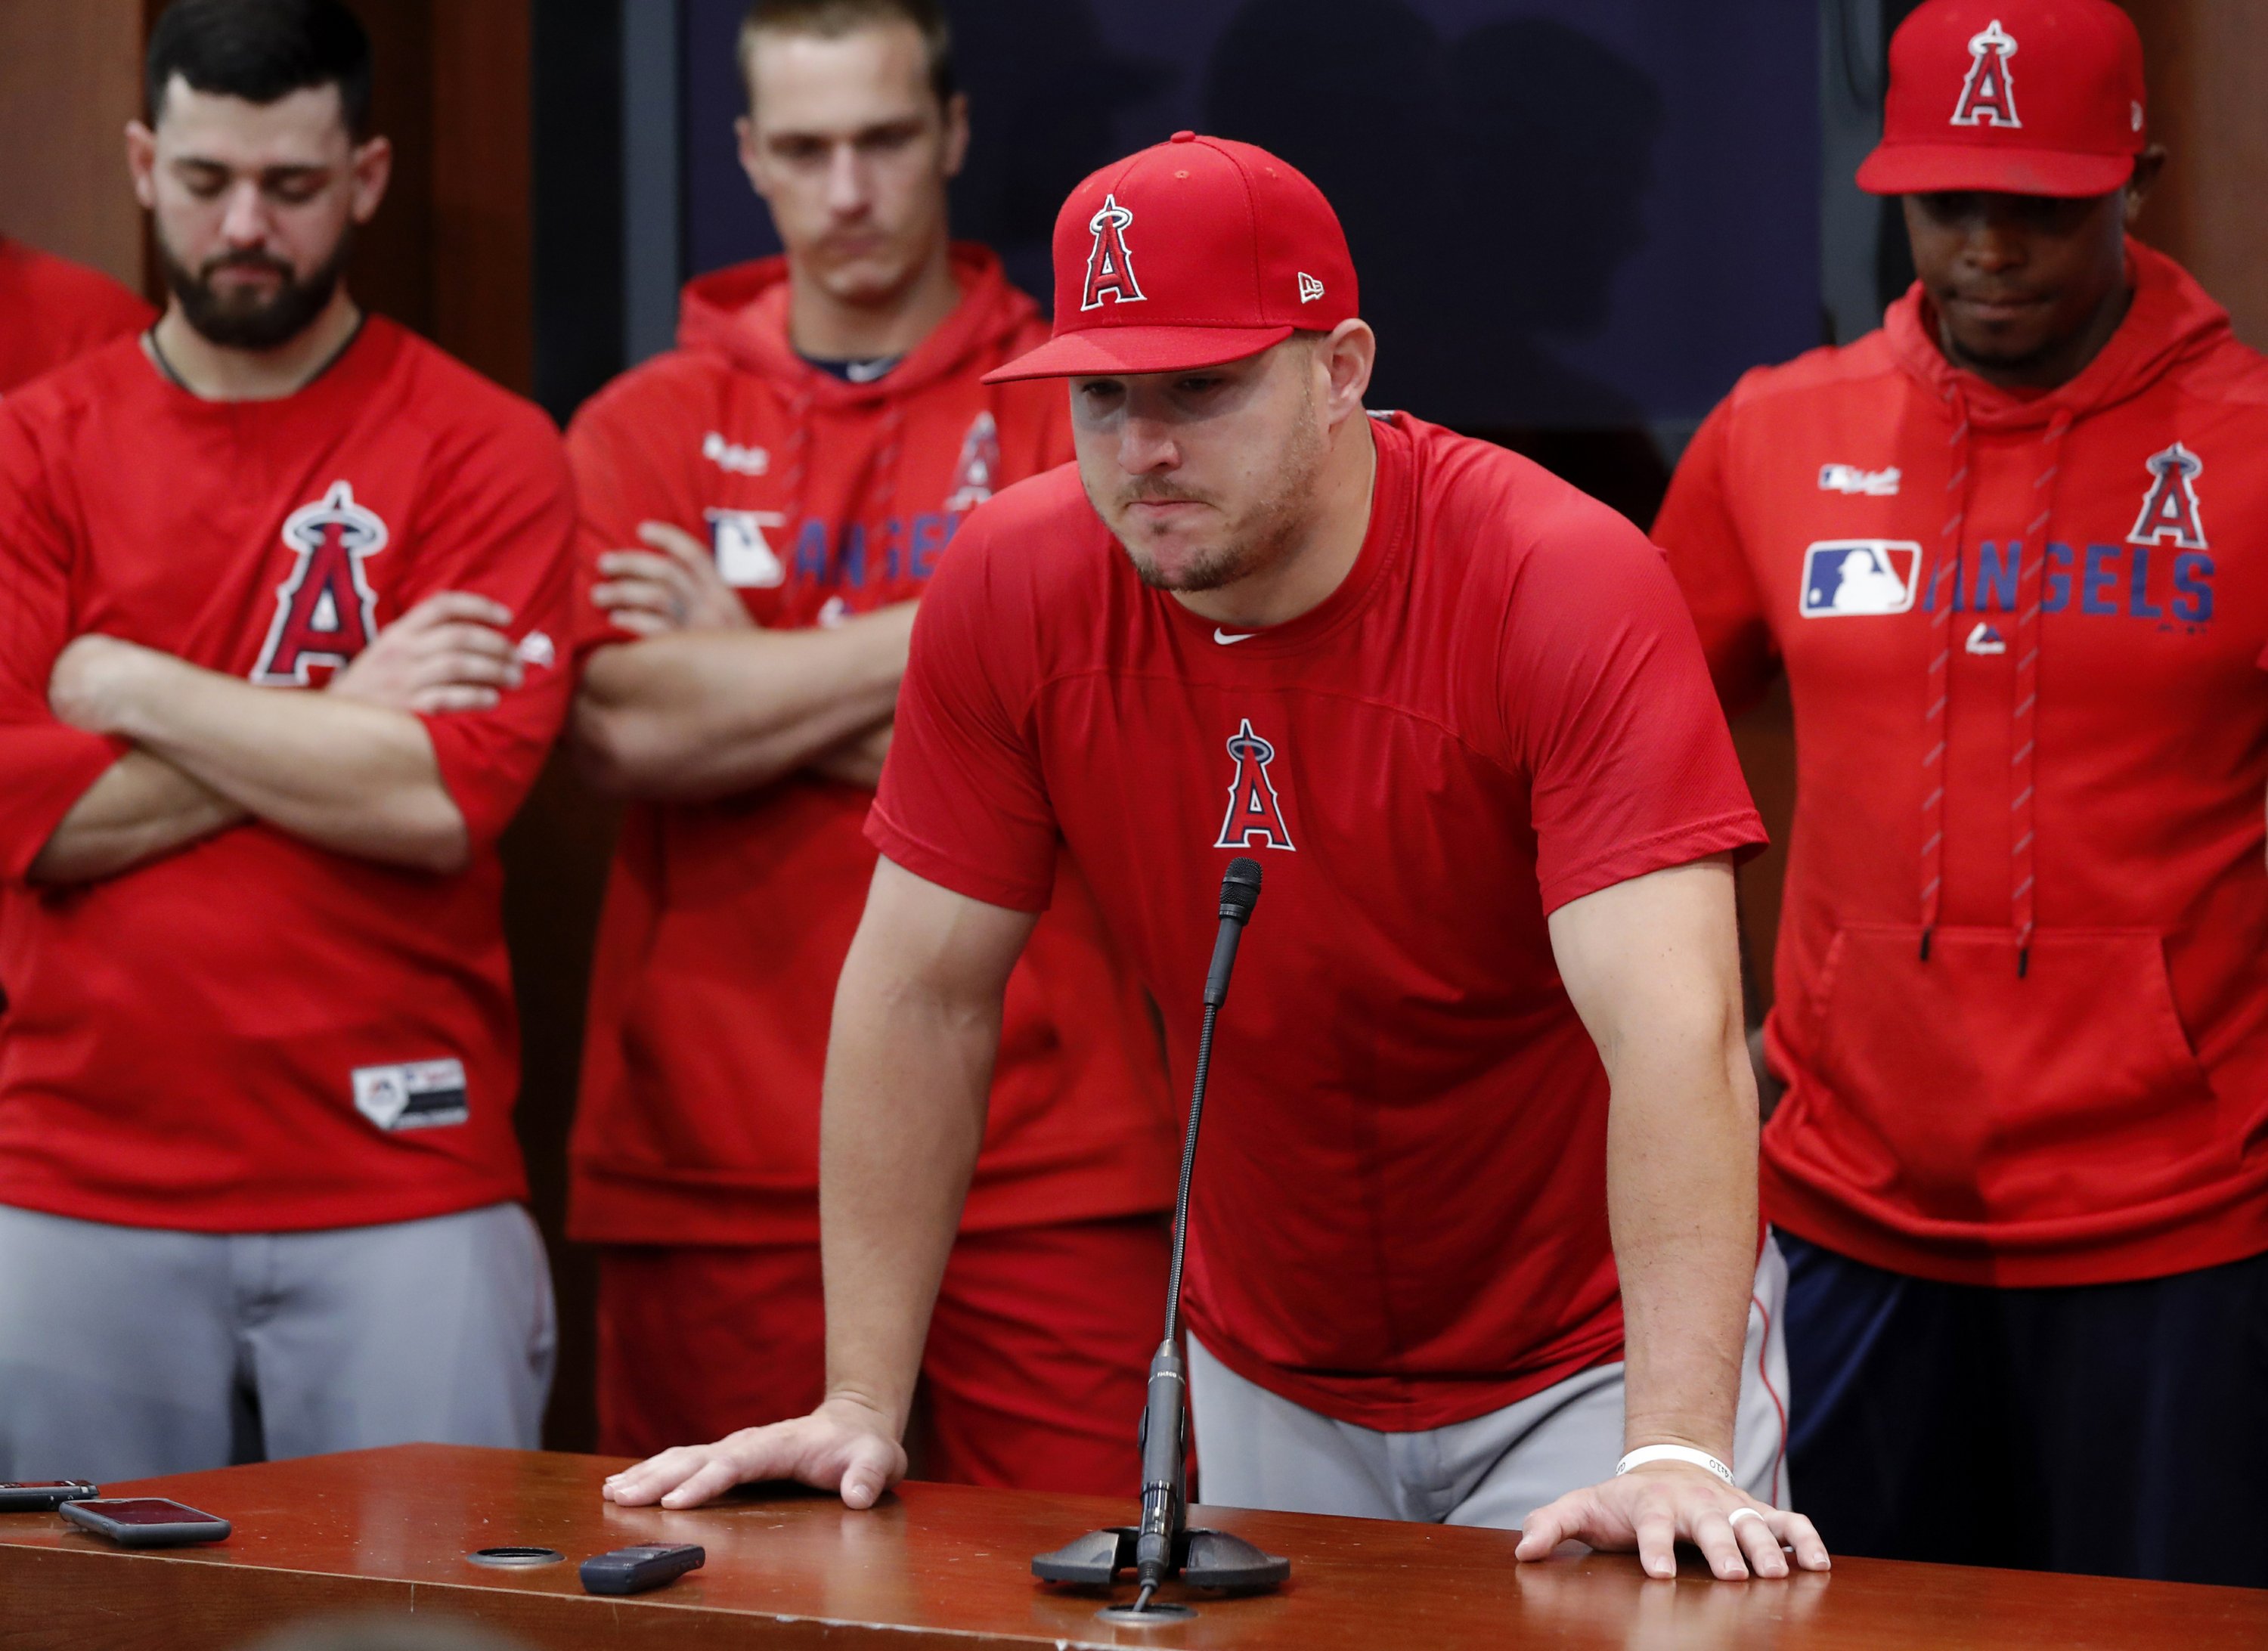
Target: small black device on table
(1163,1544)
(43,1496)
(634,1570)
(146,1521)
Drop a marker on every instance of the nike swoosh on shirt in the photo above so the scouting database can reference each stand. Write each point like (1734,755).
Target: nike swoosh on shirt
(1224,638)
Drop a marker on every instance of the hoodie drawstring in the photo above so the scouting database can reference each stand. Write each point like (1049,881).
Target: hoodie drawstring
(796,482)
(1948,561)
(2023,761)
(887,446)
(2024,731)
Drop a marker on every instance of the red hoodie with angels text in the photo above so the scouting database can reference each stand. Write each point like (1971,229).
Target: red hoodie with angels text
(2022,971)
(726,923)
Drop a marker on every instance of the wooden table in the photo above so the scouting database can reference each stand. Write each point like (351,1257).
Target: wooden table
(942,1566)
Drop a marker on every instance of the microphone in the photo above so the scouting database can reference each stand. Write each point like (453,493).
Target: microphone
(1240,892)
(1161,1543)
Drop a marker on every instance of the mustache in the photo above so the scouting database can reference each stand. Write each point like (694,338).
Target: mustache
(1153,491)
(245,260)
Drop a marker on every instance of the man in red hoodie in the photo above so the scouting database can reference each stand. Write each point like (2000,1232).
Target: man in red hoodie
(2002,550)
(764,506)
(52,310)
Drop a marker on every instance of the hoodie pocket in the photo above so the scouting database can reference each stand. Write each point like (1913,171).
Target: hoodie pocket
(1966,1093)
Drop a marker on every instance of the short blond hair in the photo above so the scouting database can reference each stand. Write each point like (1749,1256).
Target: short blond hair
(831,19)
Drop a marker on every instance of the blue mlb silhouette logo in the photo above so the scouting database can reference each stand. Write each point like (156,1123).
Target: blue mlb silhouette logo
(1845,577)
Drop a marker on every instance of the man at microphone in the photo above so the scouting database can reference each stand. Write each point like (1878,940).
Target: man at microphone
(1485,1039)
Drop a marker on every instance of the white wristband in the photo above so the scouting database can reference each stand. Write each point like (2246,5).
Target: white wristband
(1673,1453)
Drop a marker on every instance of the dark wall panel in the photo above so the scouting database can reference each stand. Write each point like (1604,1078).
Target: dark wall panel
(578,205)
(1566,213)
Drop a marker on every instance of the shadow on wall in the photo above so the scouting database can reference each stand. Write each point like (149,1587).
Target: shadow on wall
(1493,182)
(1045,89)
(1491,186)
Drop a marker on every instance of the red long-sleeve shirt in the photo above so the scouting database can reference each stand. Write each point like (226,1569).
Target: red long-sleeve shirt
(255,1033)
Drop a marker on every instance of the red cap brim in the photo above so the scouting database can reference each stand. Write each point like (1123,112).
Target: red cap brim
(1109,351)
(1925,168)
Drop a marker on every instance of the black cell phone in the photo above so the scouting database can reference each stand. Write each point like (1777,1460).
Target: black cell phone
(40,1496)
(146,1521)
(634,1570)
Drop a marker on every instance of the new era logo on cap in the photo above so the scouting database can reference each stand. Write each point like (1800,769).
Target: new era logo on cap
(1235,252)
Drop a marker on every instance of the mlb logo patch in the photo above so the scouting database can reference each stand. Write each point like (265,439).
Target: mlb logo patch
(1850,576)
(745,558)
(418,1094)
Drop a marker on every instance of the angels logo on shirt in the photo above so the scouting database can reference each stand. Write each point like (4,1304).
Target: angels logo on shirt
(1255,817)
(2170,508)
(1988,96)
(973,477)
(326,612)
(1109,268)
(1859,575)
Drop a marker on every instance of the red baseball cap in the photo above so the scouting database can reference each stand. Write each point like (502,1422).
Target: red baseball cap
(2022,97)
(1194,252)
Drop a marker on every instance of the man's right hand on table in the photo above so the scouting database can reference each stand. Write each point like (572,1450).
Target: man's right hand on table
(845,1445)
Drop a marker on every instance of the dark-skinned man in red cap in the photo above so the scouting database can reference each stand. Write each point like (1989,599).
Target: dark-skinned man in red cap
(1457,711)
(2002,550)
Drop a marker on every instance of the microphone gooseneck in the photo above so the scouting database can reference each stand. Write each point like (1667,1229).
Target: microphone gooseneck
(1240,893)
(1162,1545)
(1164,1459)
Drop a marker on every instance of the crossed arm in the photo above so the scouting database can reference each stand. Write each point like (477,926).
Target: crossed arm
(706,704)
(351,769)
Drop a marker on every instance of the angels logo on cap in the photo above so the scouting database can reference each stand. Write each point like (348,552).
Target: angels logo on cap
(1988,96)
(1238,250)
(1110,267)
(1950,118)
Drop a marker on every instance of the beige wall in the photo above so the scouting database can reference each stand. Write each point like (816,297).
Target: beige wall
(69,80)
(2206,59)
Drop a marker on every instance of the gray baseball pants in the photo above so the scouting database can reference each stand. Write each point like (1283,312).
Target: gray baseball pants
(1256,1449)
(128,1352)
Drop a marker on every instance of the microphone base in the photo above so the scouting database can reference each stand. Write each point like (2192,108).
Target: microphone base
(1202,1559)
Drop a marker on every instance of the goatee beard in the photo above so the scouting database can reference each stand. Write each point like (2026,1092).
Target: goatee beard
(1223,565)
(267,323)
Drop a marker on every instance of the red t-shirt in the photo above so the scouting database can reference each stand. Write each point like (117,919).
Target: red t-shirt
(1399,1216)
(2092,1106)
(256,1033)
(52,310)
(726,923)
